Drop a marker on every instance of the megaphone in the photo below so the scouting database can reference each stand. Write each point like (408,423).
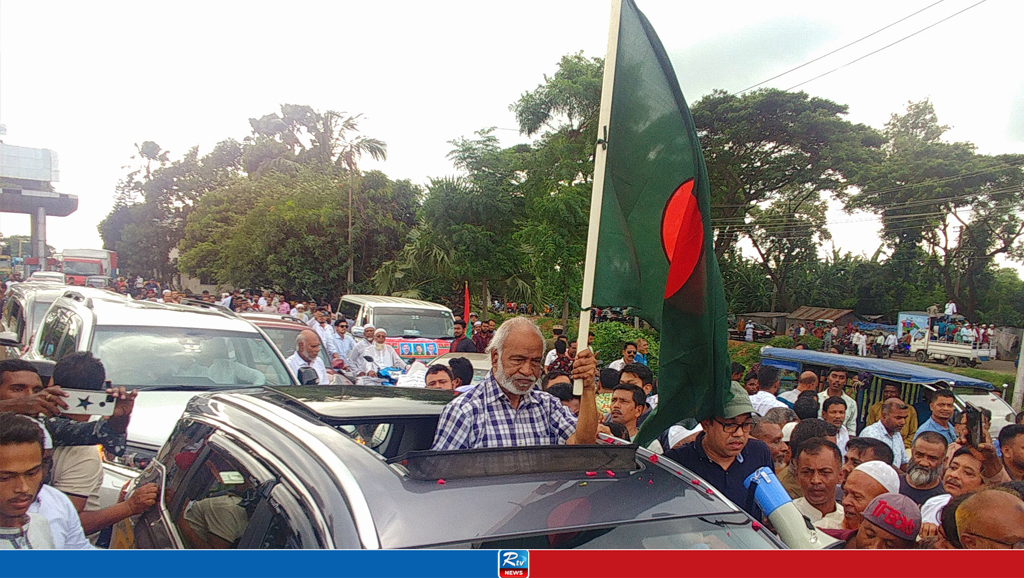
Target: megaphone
(791,525)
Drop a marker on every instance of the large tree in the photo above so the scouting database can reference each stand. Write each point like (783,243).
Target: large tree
(962,208)
(760,145)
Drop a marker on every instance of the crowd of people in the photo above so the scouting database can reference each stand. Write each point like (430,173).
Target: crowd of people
(913,477)
(897,483)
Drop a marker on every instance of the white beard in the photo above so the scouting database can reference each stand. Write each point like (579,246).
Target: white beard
(509,384)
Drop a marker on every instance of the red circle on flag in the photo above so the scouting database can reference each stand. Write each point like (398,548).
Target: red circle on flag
(682,236)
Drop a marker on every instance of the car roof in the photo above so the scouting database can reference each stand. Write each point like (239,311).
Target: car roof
(374,300)
(112,309)
(884,368)
(398,511)
(272,320)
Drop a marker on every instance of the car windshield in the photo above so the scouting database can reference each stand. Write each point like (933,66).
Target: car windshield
(413,322)
(81,268)
(179,356)
(284,339)
(713,532)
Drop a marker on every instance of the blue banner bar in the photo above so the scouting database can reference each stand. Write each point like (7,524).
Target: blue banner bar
(251,563)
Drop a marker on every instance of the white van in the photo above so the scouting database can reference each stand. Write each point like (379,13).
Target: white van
(416,329)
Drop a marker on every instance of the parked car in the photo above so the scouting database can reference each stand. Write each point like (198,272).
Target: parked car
(282,331)
(344,468)
(24,310)
(47,276)
(416,329)
(761,332)
(166,351)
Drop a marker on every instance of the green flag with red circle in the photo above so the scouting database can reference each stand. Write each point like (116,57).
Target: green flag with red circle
(655,249)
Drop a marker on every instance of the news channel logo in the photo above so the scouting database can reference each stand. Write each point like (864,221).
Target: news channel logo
(513,563)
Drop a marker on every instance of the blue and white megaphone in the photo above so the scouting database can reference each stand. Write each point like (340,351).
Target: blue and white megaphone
(791,525)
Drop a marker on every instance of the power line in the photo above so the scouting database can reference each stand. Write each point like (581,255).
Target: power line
(886,46)
(838,49)
(993,168)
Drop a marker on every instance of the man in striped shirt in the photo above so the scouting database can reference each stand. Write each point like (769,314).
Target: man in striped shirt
(509,409)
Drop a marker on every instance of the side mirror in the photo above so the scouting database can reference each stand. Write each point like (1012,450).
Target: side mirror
(9,339)
(308,376)
(368,358)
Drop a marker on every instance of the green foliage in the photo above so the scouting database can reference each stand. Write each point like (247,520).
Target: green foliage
(746,353)
(781,341)
(812,342)
(609,337)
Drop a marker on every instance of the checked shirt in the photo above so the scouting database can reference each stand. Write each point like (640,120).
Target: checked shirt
(484,418)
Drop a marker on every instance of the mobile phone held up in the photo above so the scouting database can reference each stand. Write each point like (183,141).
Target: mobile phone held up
(975,435)
(89,402)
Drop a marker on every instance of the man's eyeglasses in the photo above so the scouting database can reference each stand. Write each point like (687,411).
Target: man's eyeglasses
(1018,545)
(734,427)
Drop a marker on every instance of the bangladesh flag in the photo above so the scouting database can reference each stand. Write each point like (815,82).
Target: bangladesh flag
(655,246)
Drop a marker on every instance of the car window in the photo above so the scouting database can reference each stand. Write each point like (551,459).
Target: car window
(51,332)
(414,322)
(284,339)
(138,356)
(288,527)
(217,502)
(349,310)
(38,313)
(69,339)
(393,438)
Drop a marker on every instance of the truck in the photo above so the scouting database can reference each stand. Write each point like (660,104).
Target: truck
(925,348)
(80,264)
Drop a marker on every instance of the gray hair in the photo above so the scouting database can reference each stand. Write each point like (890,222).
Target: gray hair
(506,329)
(781,415)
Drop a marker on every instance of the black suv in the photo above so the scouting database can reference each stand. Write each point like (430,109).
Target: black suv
(350,467)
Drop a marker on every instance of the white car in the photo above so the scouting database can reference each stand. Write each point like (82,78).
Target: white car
(49,276)
(166,351)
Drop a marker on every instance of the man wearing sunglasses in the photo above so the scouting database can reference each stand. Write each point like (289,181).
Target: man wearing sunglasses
(724,454)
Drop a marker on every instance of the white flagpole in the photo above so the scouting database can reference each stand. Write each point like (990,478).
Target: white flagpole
(597,195)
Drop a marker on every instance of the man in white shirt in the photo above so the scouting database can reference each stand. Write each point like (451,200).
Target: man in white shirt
(818,465)
(628,353)
(355,355)
(65,527)
(321,326)
(808,382)
(950,309)
(889,430)
(836,382)
(21,465)
(307,354)
(890,343)
(768,385)
(834,412)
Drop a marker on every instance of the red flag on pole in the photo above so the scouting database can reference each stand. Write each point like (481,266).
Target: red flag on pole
(465,310)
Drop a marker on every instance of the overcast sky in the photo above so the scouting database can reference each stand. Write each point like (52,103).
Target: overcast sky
(89,79)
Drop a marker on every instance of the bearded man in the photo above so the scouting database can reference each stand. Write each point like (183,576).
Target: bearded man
(923,480)
(508,407)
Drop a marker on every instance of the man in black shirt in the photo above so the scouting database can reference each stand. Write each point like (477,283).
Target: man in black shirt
(724,454)
(923,479)
(461,344)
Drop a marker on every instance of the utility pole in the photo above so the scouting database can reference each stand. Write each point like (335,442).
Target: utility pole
(1018,385)
(351,257)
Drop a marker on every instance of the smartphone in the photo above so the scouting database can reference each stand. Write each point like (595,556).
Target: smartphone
(89,402)
(974,425)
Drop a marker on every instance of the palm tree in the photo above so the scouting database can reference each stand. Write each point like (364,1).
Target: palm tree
(351,150)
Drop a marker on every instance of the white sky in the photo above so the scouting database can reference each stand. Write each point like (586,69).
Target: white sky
(89,79)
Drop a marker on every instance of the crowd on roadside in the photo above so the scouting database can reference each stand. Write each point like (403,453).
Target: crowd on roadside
(913,477)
